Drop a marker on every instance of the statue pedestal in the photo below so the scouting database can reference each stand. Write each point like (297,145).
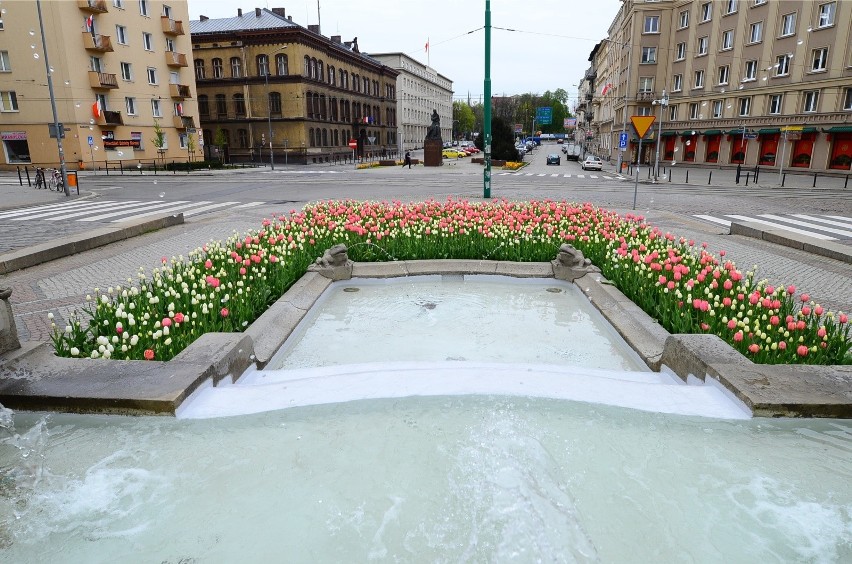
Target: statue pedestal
(432,152)
(8,332)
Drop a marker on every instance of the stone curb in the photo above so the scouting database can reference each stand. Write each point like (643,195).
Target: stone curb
(46,252)
(785,238)
(33,378)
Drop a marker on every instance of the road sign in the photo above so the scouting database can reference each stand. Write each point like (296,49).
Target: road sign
(622,141)
(190,130)
(642,124)
(751,135)
(353,144)
(51,129)
(519,128)
(91,140)
(544,115)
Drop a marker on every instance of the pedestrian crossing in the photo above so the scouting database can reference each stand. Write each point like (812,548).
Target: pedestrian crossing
(114,211)
(823,227)
(603,176)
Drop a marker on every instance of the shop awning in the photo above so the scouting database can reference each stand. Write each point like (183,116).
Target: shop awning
(809,130)
(713,132)
(668,134)
(839,129)
(734,132)
(769,130)
(690,133)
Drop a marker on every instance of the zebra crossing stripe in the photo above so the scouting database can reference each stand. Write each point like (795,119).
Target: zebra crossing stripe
(175,207)
(542,175)
(821,220)
(207,208)
(581,176)
(784,227)
(29,211)
(123,205)
(89,207)
(566,176)
(841,232)
(724,222)
(593,176)
(251,205)
(840,217)
(149,206)
(554,175)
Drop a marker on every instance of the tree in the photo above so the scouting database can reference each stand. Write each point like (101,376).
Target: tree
(502,141)
(191,146)
(159,139)
(220,140)
(463,114)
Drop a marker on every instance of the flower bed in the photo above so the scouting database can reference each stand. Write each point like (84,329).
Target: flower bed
(224,286)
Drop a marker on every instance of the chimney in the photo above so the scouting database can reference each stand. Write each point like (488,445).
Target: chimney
(335,39)
(203,18)
(257,12)
(279,12)
(290,18)
(239,12)
(313,28)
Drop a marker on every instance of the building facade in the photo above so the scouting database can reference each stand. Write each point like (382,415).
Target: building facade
(750,82)
(122,84)
(260,75)
(420,90)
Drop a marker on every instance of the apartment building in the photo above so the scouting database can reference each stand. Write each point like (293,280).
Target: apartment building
(420,90)
(261,76)
(122,86)
(751,82)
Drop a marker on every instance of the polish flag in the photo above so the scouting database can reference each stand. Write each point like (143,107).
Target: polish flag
(606,88)
(96,109)
(180,109)
(427,45)
(90,23)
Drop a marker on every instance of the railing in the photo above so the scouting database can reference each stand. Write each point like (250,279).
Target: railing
(113,118)
(174,59)
(179,91)
(171,27)
(644,96)
(100,43)
(102,80)
(182,122)
(97,6)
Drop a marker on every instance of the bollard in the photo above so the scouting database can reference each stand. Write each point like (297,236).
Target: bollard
(174,168)
(687,176)
(739,171)
(155,167)
(121,167)
(670,178)
(20,179)
(649,172)
(27,170)
(815,175)
(846,182)
(783,179)
(747,175)
(709,177)
(106,167)
(756,173)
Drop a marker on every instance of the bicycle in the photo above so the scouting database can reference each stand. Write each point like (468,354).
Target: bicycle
(56,181)
(40,180)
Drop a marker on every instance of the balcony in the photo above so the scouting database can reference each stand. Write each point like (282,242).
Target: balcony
(100,43)
(179,91)
(645,96)
(112,118)
(102,80)
(182,122)
(175,59)
(93,6)
(171,27)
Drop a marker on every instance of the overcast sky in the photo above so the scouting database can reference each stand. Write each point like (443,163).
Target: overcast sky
(549,49)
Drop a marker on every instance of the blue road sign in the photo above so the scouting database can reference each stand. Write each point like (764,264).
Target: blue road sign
(622,141)
(91,140)
(544,115)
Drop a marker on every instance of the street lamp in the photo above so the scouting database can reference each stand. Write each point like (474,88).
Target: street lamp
(56,127)
(269,105)
(663,102)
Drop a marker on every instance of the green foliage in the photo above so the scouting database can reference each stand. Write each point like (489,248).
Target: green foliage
(159,139)
(502,141)
(466,119)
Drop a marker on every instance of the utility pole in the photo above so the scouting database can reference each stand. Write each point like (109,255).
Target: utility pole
(486,143)
(56,126)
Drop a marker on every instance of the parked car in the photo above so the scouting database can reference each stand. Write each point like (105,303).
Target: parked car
(553,158)
(453,154)
(522,150)
(592,163)
(560,141)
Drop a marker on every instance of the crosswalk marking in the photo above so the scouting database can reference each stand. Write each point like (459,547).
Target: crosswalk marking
(37,209)
(718,220)
(90,206)
(783,227)
(169,209)
(820,220)
(581,176)
(841,232)
(148,208)
(592,176)
(207,208)
(124,206)
(249,205)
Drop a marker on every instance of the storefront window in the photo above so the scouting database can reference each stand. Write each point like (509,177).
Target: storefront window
(15,146)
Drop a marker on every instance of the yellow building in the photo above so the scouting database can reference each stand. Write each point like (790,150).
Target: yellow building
(120,74)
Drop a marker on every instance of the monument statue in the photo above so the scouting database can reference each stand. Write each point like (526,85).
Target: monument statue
(434,131)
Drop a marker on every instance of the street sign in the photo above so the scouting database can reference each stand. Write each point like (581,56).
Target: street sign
(190,130)
(51,129)
(353,144)
(751,135)
(544,115)
(622,141)
(91,140)
(519,128)
(371,139)
(642,124)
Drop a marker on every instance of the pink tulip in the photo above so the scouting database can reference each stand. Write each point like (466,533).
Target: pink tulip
(224,312)
(802,350)
(753,348)
(167,322)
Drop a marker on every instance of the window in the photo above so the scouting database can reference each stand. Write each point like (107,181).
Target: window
(262,65)
(281,65)
(717,109)
(102,101)
(236,67)
(649,54)
(811,100)
(126,72)
(693,110)
(167,11)
(683,19)
(95,63)
(130,106)
(118,4)
(221,105)
(727,40)
(652,24)
(730,7)
(706,11)
(199,69)
(847,99)
(750,71)
(170,45)
(745,106)
(147,41)
(332,76)
(239,105)
(646,84)
(782,65)
(242,138)
(275,103)
(203,105)
(680,51)
(152,75)
(826,14)
(819,60)
(121,34)
(156,110)
(677,83)
(8,101)
(182,140)
(755,32)
(143,7)
(724,74)
(759,2)
(644,110)
(217,68)
(699,79)
(775,103)
(5,65)
(788,24)
(702,46)
(673,113)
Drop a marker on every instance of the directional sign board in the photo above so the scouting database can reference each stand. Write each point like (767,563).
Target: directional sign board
(642,124)
(622,141)
(544,115)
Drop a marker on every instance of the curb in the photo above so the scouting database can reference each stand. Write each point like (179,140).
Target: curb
(46,252)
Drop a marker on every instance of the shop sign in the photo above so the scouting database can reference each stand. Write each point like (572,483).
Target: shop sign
(13,135)
(116,143)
